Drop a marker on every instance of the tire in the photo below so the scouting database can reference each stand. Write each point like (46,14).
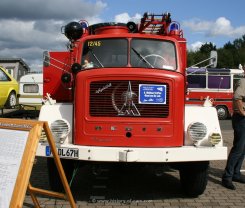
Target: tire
(194,178)
(54,177)
(12,100)
(222,112)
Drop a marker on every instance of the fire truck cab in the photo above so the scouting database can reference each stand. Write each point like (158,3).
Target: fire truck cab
(118,95)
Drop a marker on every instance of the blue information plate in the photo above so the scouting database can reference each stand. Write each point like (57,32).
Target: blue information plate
(152,94)
(48,151)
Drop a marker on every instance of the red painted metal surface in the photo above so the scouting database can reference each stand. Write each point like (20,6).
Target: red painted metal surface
(111,30)
(60,63)
(96,119)
(131,131)
(218,98)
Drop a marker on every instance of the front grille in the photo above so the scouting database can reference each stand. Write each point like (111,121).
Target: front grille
(117,98)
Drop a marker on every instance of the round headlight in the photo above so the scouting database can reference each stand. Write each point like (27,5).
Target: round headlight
(197,131)
(215,138)
(60,128)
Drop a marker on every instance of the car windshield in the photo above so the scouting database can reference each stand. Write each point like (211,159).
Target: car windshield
(3,76)
(144,53)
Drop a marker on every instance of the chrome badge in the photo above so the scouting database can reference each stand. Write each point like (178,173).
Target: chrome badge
(129,108)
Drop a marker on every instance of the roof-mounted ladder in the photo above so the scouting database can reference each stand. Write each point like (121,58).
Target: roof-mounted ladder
(155,23)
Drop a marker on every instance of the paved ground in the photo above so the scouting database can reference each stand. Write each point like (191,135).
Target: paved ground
(137,187)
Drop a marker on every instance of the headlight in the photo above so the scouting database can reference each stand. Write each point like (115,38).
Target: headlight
(43,137)
(214,138)
(60,129)
(197,131)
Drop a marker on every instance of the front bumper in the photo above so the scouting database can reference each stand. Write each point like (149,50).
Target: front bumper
(125,154)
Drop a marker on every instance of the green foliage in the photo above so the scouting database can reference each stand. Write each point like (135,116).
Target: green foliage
(230,56)
(207,48)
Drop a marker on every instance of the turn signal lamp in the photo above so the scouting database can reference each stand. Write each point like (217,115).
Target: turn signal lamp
(215,138)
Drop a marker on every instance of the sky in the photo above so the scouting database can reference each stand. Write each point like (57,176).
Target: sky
(29,27)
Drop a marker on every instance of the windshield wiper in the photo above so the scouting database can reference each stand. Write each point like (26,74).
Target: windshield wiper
(91,50)
(142,58)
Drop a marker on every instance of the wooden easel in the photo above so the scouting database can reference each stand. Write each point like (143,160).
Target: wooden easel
(22,183)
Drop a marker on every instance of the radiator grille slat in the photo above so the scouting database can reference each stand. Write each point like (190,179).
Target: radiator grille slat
(107,98)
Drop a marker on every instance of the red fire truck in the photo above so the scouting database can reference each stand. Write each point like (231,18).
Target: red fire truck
(217,84)
(117,95)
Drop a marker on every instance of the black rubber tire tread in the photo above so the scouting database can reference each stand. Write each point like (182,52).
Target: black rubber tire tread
(225,110)
(54,178)
(8,104)
(194,178)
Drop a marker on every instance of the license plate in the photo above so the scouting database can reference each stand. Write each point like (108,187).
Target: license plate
(64,152)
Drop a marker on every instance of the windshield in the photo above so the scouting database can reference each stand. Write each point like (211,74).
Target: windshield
(144,53)
(105,53)
(153,54)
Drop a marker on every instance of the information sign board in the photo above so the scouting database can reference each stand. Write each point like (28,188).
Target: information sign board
(12,146)
(152,94)
(18,144)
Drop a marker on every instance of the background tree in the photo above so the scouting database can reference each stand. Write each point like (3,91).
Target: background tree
(200,55)
(229,56)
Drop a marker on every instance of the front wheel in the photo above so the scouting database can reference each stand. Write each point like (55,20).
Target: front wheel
(194,177)
(222,112)
(12,100)
(54,177)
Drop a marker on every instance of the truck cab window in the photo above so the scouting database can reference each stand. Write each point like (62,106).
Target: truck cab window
(219,82)
(99,53)
(196,81)
(147,53)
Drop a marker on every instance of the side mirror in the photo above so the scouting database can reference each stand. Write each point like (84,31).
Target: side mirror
(66,78)
(46,59)
(213,59)
(76,67)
